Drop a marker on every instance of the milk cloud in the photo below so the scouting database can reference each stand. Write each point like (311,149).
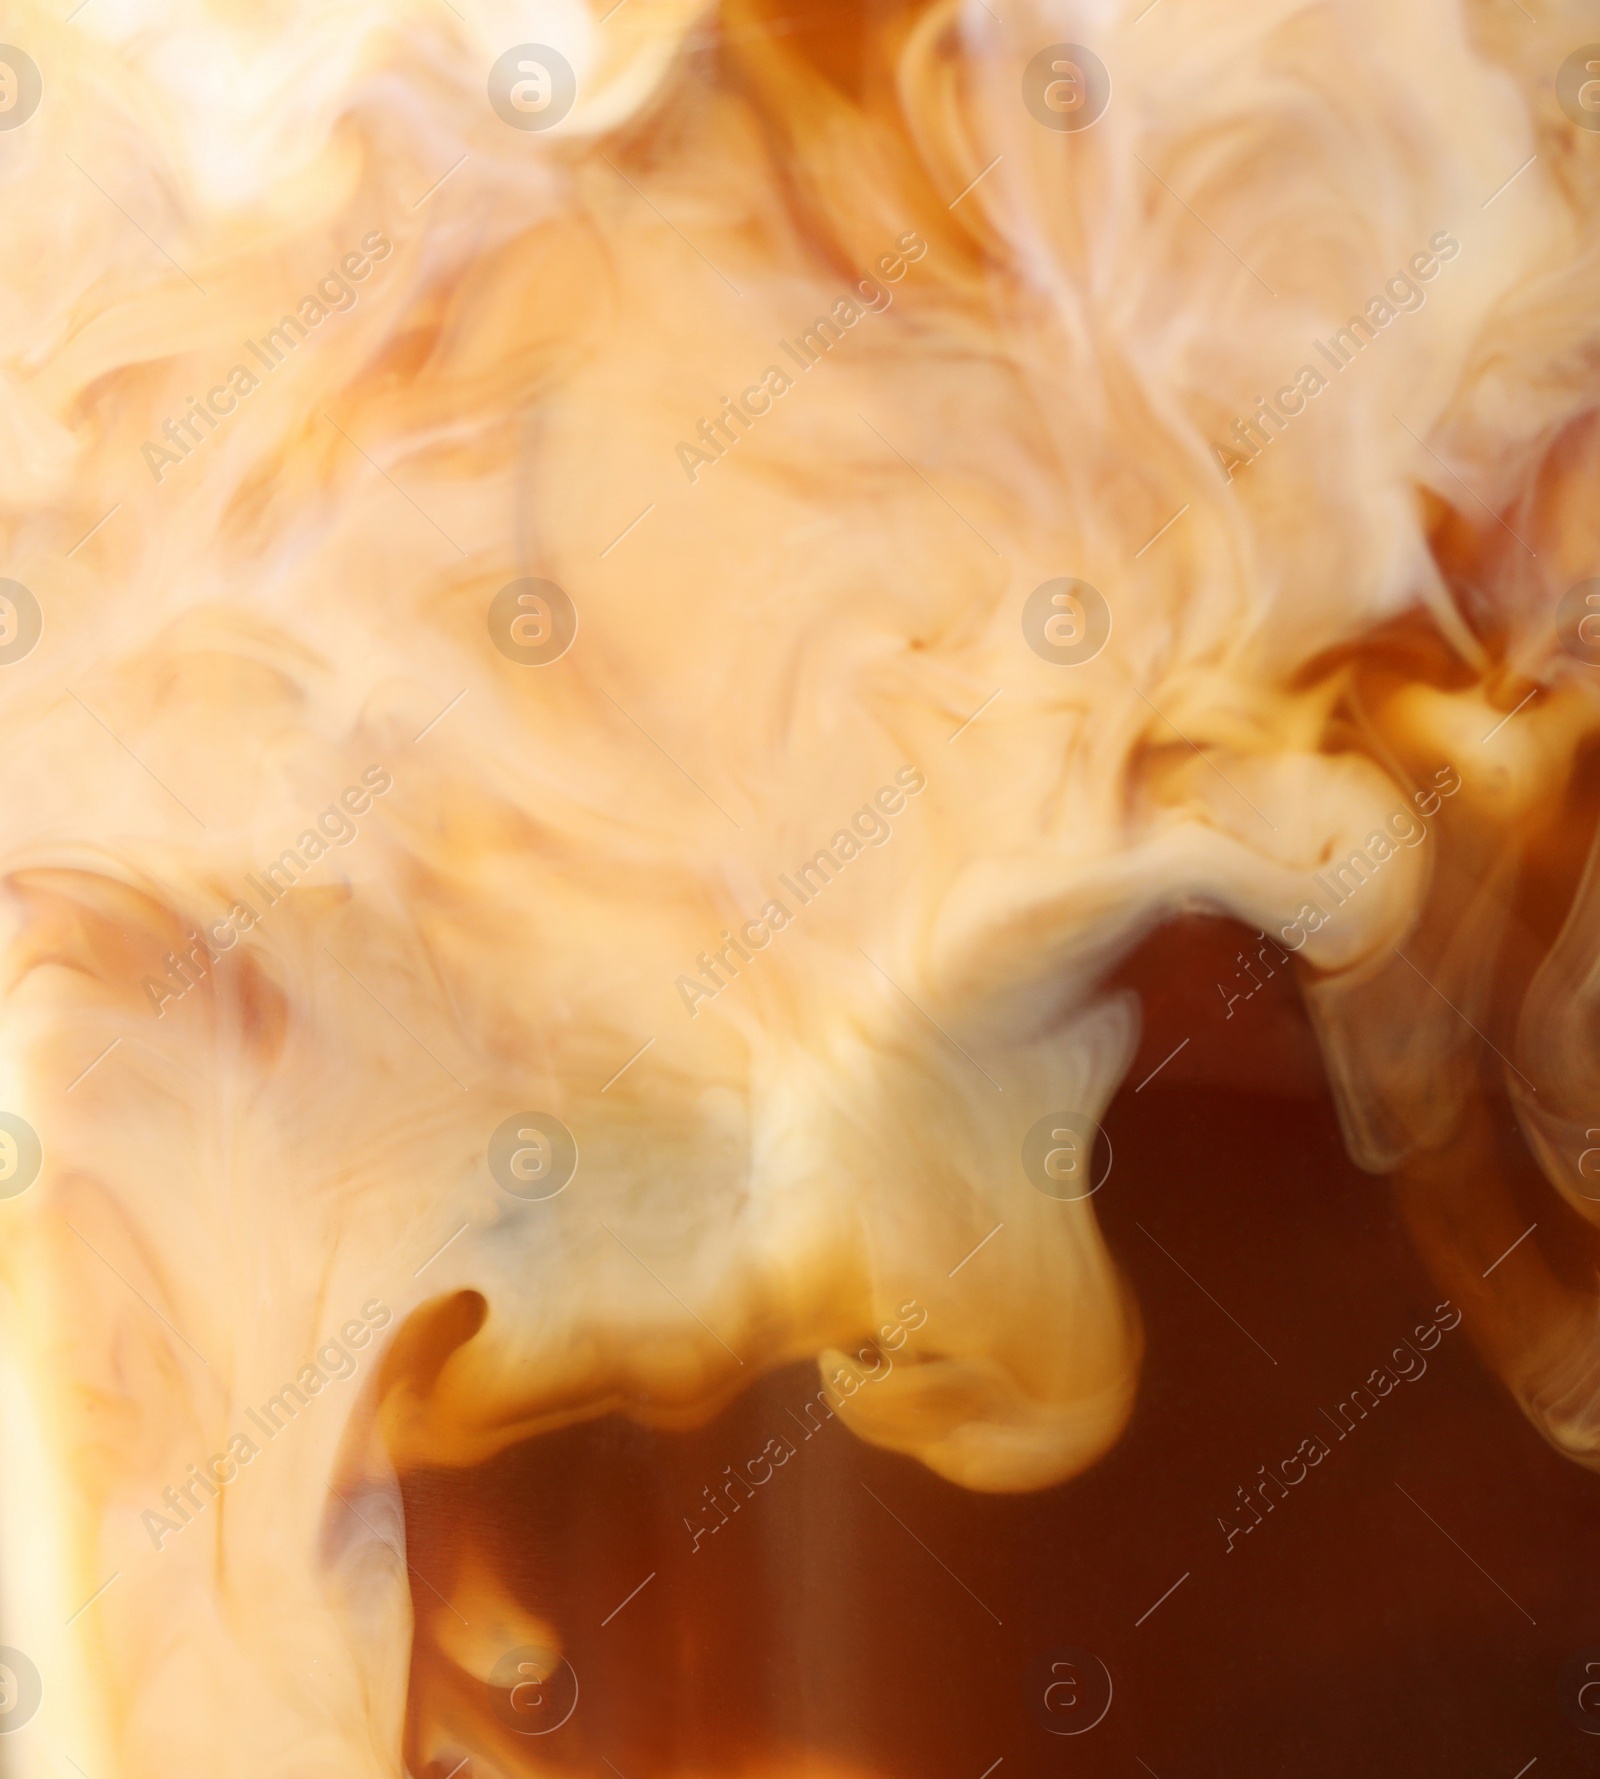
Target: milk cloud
(1402,295)
(1340,880)
(335,826)
(869,826)
(870,1364)
(335,293)
(793,1173)
(713,439)
(332,1363)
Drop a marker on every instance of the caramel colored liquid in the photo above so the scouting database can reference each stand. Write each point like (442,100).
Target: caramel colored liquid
(1414,1603)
